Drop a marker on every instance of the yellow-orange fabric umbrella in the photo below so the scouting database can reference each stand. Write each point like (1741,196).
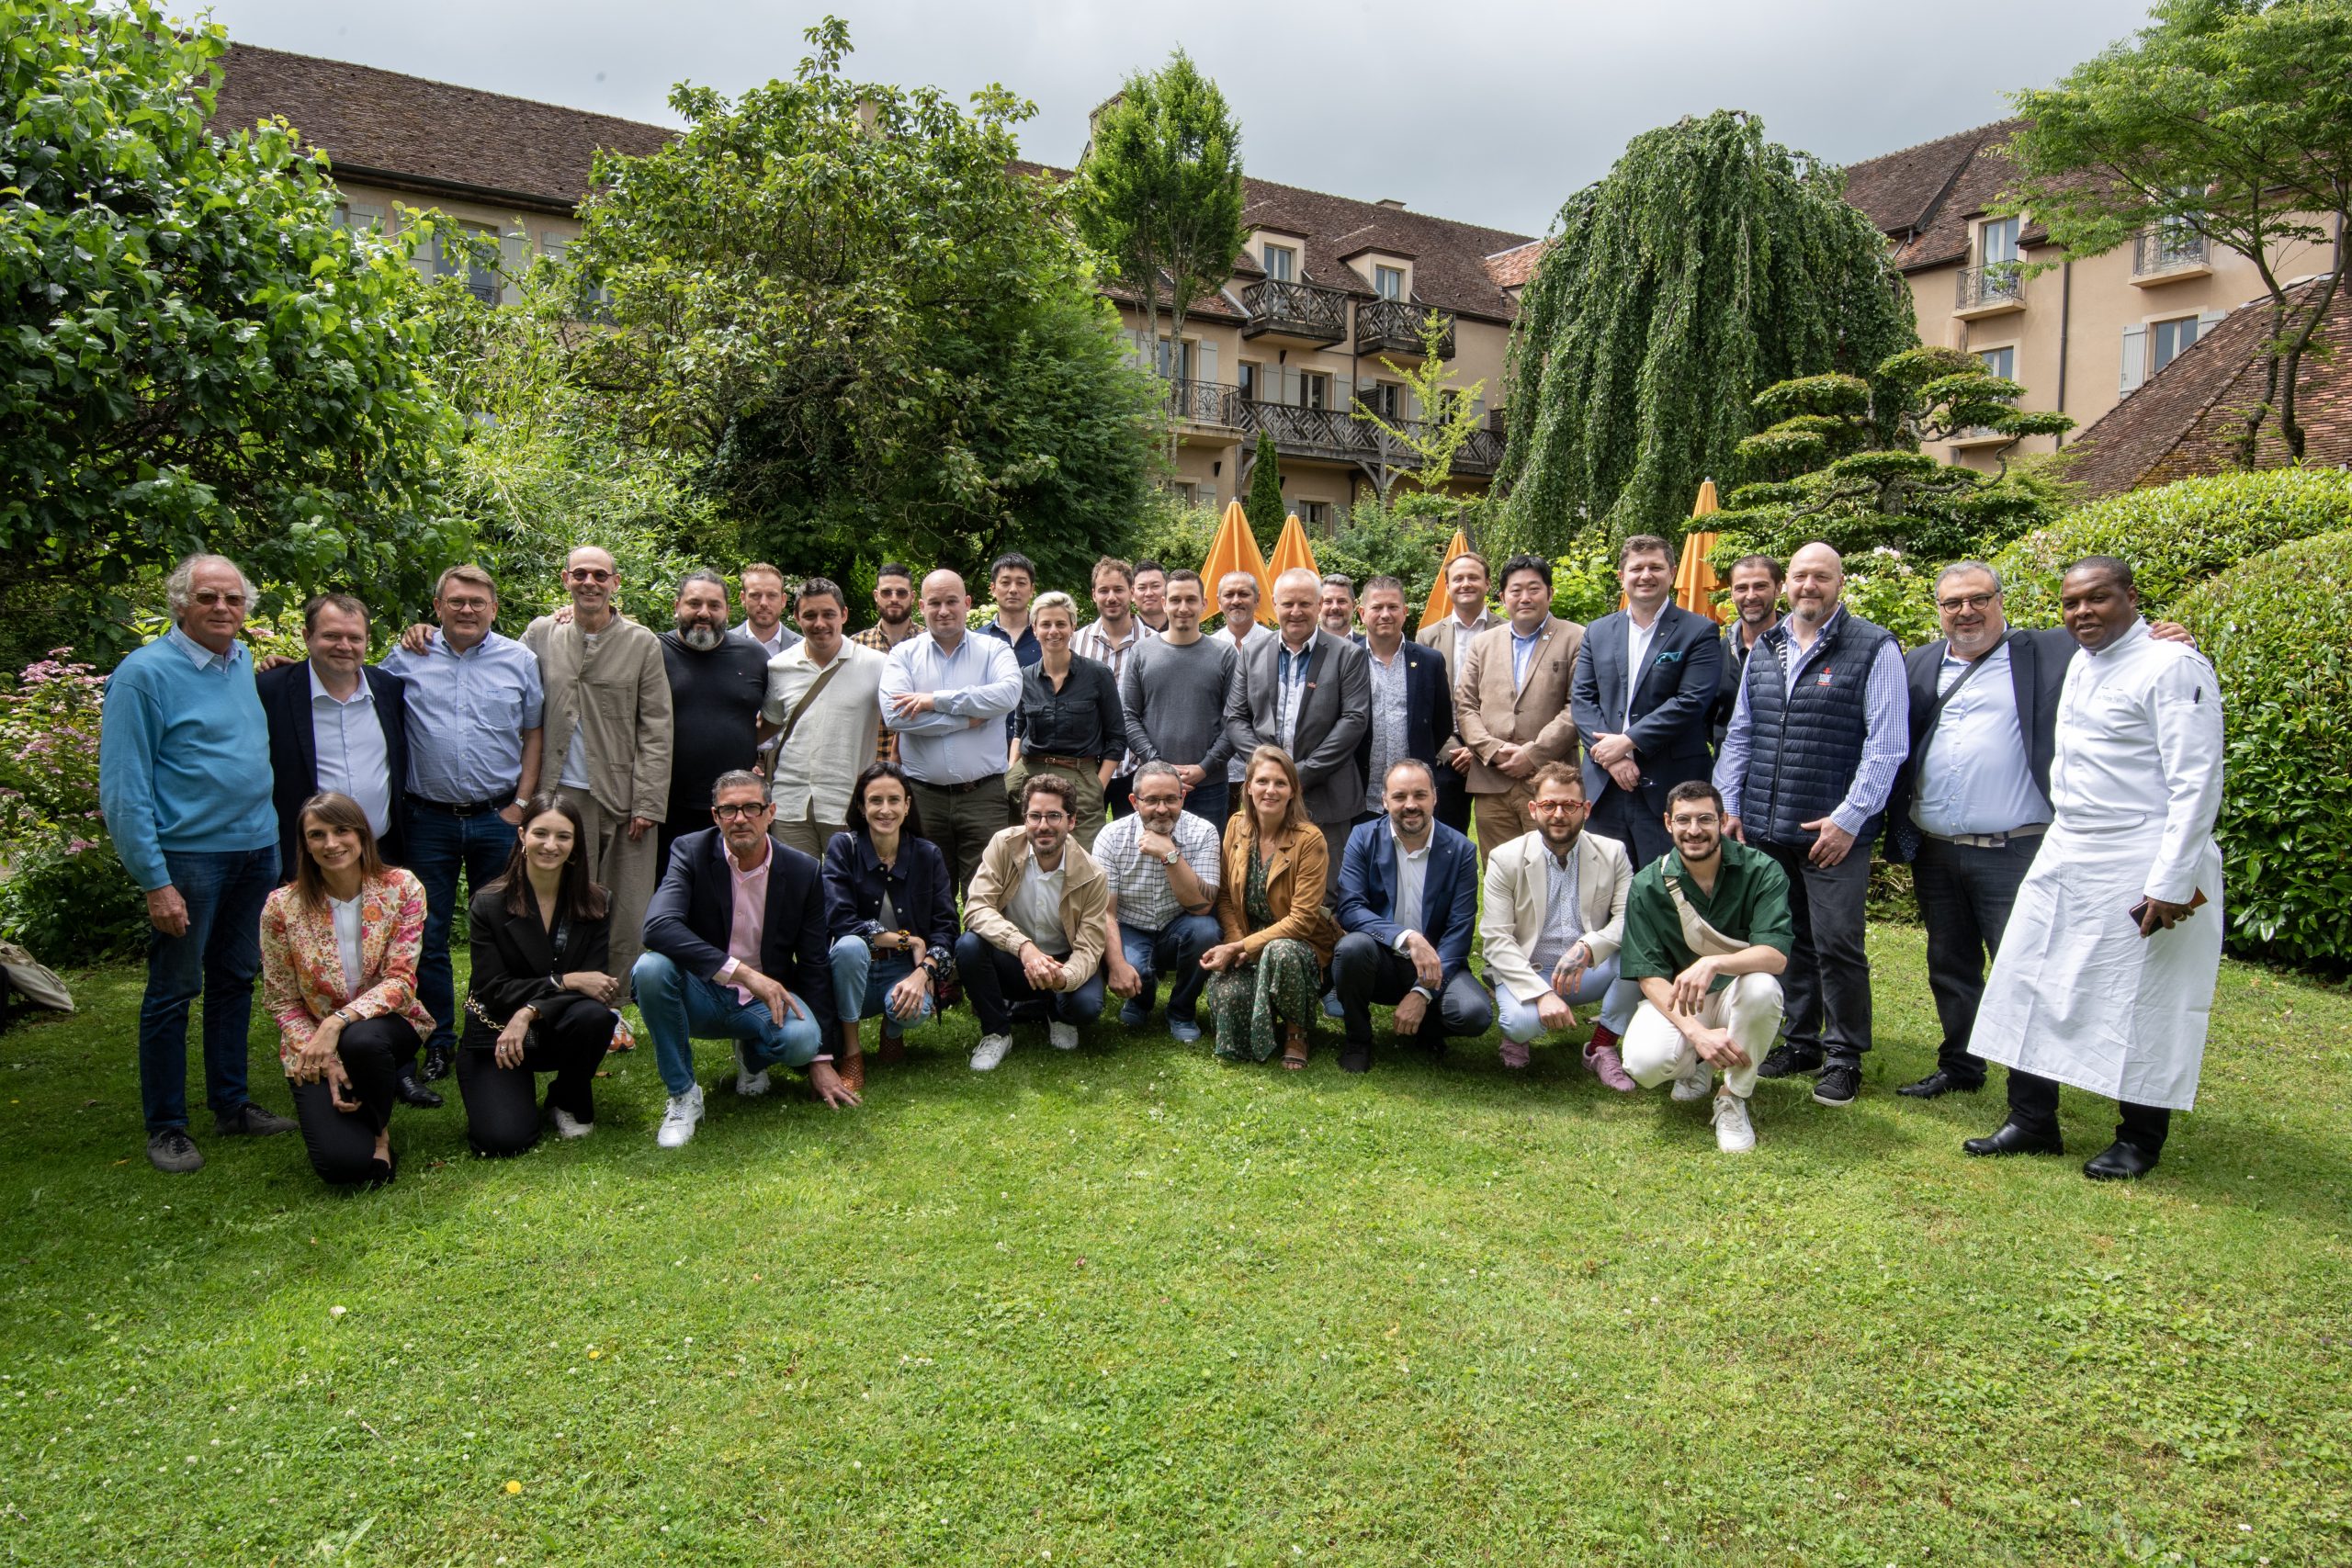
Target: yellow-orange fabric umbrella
(1292,551)
(1440,603)
(1235,549)
(1694,580)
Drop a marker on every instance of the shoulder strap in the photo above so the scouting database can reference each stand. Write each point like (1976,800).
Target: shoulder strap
(792,720)
(1945,695)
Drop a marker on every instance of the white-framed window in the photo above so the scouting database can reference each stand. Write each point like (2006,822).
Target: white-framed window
(1313,390)
(1388,282)
(1997,240)
(2167,339)
(2001,362)
(1281,262)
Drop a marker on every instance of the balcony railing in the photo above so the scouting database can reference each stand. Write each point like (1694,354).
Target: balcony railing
(1202,403)
(1305,311)
(1335,435)
(1993,285)
(2165,248)
(1394,326)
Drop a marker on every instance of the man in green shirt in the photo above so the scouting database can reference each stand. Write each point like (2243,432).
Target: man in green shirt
(1707,930)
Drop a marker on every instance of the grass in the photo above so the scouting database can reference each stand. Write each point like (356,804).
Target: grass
(1133,1306)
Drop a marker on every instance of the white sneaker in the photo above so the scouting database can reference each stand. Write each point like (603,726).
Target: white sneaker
(569,1126)
(989,1051)
(678,1118)
(1696,1081)
(750,1082)
(1735,1133)
(1062,1036)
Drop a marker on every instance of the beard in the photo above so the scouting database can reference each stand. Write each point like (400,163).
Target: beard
(702,638)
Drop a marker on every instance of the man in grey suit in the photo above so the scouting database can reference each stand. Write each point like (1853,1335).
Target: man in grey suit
(1644,692)
(1310,693)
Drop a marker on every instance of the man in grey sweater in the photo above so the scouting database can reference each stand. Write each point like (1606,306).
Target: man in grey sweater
(1174,696)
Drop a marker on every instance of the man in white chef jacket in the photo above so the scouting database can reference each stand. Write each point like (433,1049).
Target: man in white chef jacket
(2105,976)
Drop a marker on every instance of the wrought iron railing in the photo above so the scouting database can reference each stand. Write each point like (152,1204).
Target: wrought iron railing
(2165,247)
(1201,402)
(1297,310)
(1995,282)
(1386,325)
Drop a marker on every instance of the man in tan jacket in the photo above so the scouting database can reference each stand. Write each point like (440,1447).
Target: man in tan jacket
(1510,700)
(608,732)
(1035,912)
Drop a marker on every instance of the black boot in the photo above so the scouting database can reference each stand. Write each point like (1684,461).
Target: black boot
(2013,1139)
(2120,1161)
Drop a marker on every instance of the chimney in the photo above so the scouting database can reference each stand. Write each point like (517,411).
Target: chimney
(1391,203)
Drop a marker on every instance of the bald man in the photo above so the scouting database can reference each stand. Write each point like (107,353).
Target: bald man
(945,695)
(1310,693)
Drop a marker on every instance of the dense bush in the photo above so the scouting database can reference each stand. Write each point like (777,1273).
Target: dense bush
(69,901)
(2276,631)
(2175,535)
(63,892)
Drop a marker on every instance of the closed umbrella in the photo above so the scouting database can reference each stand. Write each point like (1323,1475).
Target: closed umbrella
(1292,551)
(1440,603)
(1694,580)
(1235,549)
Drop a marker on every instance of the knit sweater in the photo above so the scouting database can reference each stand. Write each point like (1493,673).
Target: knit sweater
(183,758)
(1175,699)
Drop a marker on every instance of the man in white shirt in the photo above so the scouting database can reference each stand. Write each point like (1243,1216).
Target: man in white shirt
(1108,639)
(1335,607)
(824,702)
(947,692)
(2106,971)
(1037,917)
(764,602)
(1164,864)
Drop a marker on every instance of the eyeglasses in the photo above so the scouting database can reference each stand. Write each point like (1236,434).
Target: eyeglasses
(589,574)
(729,812)
(1966,602)
(1557,808)
(1044,817)
(1709,820)
(210,596)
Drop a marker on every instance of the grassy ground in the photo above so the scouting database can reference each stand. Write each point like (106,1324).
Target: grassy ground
(1133,1306)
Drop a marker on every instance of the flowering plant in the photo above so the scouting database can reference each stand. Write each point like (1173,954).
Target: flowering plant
(49,748)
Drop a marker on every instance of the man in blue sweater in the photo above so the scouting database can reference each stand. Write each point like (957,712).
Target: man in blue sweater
(189,811)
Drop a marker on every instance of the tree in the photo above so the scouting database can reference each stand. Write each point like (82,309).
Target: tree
(1265,507)
(1449,415)
(2231,119)
(192,355)
(1160,194)
(1708,264)
(863,327)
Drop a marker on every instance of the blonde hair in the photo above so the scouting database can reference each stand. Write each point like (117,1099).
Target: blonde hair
(1295,814)
(1053,600)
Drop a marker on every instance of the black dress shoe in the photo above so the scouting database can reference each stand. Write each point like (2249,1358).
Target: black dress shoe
(1937,1084)
(412,1091)
(2012,1139)
(1355,1058)
(1784,1061)
(439,1062)
(2120,1161)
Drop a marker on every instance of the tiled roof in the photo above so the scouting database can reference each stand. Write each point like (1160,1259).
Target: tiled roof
(2183,420)
(1448,257)
(382,127)
(1514,267)
(1925,198)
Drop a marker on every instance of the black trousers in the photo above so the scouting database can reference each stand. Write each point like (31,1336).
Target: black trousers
(1364,973)
(1623,816)
(1000,991)
(342,1144)
(1452,798)
(1827,983)
(569,1040)
(1119,795)
(1965,895)
(2033,1105)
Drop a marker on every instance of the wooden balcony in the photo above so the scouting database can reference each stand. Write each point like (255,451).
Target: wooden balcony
(1331,435)
(1301,312)
(1394,326)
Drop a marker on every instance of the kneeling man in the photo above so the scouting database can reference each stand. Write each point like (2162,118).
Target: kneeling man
(1707,931)
(1554,921)
(1164,864)
(736,949)
(1035,914)
(1408,899)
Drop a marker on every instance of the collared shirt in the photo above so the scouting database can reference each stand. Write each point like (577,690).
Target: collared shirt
(1036,905)
(874,637)
(1238,764)
(1139,882)
(1638,640)
(751,915)
(1291,665)
(1886,739)
(1563,916)
(200,656)
(1389,682)
(1412,875)
(1976,773)
(353,758)
(833,741)
(467,713)
(1082,719)
(980,678)
(784,637)
(345,915)
(1749,904)
(575,754)
(1523,650)
(1449,634)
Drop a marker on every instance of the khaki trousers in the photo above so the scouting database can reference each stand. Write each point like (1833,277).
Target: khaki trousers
(1749,1006)
(626,870)
(807,835)
(1505,817)
(1086,781)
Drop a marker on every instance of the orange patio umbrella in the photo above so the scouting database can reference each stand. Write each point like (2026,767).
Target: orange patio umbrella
(1694,580)
(1291,550)
(1440,603)
(1235,549)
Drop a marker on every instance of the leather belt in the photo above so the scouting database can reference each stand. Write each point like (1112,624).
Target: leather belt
(1988,840)
(1079,763)
(993,780)
(464,808)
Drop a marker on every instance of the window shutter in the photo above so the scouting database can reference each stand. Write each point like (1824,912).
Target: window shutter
(1204,362)
(2135,359)
(2207,320)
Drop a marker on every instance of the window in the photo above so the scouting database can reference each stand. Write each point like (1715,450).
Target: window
(1381,397)
(1185,490)
(2001,362)
(470,250)
(2169,339)
(1248,381)
(1388,282)
(1175,360)
(1316,515)
(1280,263)
(1313,390)
(1997,240)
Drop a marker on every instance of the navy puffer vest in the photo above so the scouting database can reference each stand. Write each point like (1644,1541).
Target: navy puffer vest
(1806,737)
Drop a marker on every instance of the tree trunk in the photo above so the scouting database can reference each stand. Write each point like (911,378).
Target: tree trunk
(2291,359)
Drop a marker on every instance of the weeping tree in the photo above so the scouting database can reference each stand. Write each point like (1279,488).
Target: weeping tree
(1709,264)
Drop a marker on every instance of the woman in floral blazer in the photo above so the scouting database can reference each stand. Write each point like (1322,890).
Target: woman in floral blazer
(339,947)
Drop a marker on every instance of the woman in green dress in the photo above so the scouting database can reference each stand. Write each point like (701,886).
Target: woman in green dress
(1268,972)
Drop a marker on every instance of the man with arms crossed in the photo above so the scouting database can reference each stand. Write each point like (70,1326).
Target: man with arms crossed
(948,693)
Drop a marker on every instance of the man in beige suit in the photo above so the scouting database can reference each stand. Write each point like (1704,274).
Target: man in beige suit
(1510,700)
(1553,918)
(607,729)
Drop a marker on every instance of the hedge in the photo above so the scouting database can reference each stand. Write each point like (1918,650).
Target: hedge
(2174,536)
(2279,637)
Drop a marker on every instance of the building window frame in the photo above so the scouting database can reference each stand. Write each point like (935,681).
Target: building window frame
(1280,262)
(1388,282)
(2169,337)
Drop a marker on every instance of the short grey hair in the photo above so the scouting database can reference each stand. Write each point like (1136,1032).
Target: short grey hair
(179,588)
(1960,566)
(1158,767)
(737,778)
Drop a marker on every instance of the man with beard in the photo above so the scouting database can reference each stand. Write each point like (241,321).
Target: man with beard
(894,612)
(717,681)
(1037,925)
(1408,901)
(1336,611)
(1164,864)
(824,698)
(1756,609)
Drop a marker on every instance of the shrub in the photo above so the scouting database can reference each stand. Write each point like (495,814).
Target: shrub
(2174,536)
(2276,632)
(68,899)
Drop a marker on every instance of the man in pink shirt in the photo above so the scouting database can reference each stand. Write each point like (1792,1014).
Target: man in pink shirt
(736,949)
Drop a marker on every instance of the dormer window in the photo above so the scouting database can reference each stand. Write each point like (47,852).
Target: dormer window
(1388,282)
(1281,262)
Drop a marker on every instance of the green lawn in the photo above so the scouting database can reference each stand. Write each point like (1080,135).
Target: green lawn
(1133,1306)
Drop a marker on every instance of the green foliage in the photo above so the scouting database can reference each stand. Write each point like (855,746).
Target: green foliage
(864,329)
(1708,266)
(1264,505)
(63,892)
(1449,415)
(1584,580)
(2174,536)
(2276,633)
(1402,539)
(1174,533)
(68,900)
(192,354)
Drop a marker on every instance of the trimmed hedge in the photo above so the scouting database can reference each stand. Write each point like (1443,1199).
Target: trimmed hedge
(2174,536)
(2277,632)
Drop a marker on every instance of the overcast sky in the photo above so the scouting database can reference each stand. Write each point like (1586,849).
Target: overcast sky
(1492,111)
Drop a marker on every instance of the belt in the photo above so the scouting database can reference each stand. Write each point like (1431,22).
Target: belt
(1988,840)
(996,780)
(465,808)
(1081,763)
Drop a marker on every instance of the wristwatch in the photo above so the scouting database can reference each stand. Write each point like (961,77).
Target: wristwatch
(1171,858)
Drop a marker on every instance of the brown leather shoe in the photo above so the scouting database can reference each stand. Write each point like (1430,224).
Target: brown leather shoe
(849,1059)
(892,1052)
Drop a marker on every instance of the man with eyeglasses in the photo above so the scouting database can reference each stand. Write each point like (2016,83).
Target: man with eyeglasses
(608,729)
(185,782)
(1037,915)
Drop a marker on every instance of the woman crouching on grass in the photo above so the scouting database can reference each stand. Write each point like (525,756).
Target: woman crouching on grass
(339,946)
(539,1000)
(1268,972)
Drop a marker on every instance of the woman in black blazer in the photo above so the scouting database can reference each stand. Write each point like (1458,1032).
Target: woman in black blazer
(539,998)
(889,962)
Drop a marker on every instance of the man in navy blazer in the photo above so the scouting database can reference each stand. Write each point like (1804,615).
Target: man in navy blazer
(336,723)
(1644,696)
(1409,902)
(1412,694)
(736,949)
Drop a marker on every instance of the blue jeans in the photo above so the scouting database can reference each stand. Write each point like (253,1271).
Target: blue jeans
(439,845)
(1618,1000)
(862,981)
(1208,800)
(1174,949)
(217,959)
(680,1009)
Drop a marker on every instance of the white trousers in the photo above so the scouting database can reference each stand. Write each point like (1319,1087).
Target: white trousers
(1749,1006)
